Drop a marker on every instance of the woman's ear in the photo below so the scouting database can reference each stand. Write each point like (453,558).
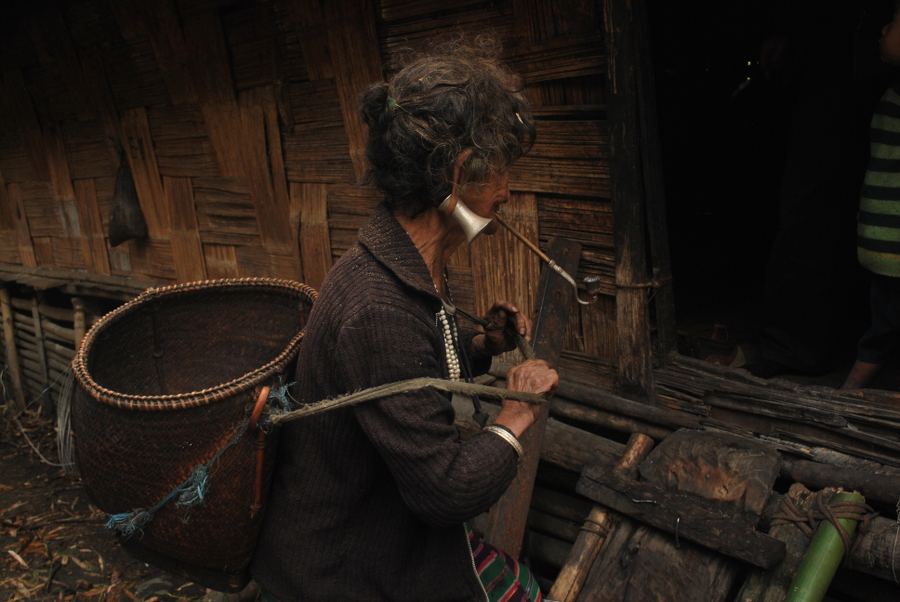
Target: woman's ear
(457,168)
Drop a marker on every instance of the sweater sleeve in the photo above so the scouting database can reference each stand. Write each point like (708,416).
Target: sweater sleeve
(442,480)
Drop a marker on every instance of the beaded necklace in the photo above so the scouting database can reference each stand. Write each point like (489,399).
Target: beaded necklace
(449,329)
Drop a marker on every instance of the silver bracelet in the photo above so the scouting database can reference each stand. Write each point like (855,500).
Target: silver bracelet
(507,436)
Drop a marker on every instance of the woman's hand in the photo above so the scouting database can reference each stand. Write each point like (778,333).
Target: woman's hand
(531,376)
(500,316)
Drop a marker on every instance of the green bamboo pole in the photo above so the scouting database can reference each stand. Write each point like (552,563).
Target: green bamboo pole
(823,557)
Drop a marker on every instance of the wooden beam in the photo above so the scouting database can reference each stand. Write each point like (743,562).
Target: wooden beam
(655,198)
(507,518)
(686,517)
(633,345)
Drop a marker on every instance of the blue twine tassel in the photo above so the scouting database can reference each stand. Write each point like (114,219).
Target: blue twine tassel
(280,395)
(193,490)
(127,523)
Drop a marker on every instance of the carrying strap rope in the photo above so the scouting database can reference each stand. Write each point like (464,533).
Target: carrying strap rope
(192,490)
(403,386)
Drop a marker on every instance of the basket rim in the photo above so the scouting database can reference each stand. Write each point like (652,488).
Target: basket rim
(202,397)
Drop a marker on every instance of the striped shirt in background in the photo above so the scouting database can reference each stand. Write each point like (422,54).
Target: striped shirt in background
(878,223)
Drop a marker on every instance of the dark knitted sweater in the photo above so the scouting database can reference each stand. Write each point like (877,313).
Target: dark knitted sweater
(368,503)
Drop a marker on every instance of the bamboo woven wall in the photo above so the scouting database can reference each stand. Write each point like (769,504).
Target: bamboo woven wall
(238,122)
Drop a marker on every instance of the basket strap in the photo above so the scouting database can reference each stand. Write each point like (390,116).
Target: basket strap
(405,386)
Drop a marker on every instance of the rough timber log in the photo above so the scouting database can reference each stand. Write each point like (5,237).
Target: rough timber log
(583,553)
(651,565)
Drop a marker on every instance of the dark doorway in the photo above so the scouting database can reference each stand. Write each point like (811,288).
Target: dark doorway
(733,137)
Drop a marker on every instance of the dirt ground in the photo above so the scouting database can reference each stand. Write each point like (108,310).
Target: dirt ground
(53,541)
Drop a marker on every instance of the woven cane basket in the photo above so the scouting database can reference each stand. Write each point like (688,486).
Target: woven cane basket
(165,384)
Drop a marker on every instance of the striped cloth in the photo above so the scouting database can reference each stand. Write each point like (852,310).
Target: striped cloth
(504,579)
(878,223)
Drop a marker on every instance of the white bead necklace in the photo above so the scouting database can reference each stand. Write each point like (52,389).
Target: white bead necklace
(450,344)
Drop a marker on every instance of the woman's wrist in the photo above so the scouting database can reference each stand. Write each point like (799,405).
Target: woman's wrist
(479,351)
(516,421)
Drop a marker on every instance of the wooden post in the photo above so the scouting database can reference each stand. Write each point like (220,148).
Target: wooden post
(574,573)
(12,354)
(655,198)
(79,324)
(508,517)
(46,403)
(633,345)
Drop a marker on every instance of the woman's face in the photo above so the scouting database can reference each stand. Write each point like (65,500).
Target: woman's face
(486,198)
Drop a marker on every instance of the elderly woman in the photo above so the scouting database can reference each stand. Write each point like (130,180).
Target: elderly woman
(371,502)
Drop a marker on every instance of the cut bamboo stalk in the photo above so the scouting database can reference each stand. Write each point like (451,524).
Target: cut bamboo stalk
(56,313)
(57,332)
(823,556)
(583,553)
(39,335)
(12,354)
(22,304)
(80,325)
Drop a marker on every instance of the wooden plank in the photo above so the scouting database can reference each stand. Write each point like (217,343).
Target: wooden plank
(93,239)
(634,348)
(353,41)
(23,233)
(187,249)
(725,533)
(141,157)
(507,518)
(660,566)
(592,535)
(315,241)
(651,162)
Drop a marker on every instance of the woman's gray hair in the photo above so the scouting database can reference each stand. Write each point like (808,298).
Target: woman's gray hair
(457,97)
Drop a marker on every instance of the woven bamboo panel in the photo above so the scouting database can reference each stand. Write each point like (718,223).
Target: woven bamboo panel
(181,141)
(86,150)
(67,253)
(235,104)
(41,209)
(134,76)
(225,211)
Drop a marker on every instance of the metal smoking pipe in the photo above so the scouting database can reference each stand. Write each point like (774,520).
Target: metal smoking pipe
(591,283)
